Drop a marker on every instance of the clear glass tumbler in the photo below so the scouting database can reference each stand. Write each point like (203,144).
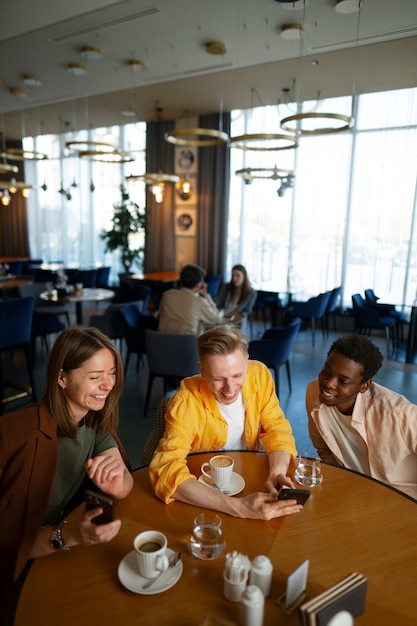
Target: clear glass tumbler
(308,471)
(207,540)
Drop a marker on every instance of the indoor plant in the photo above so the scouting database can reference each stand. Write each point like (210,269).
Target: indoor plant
(128,230)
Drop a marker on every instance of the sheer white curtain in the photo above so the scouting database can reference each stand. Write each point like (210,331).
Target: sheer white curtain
(72,202)
(349,219)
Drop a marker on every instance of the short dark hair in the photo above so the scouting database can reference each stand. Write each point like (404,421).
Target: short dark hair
(361,350)
(191,275)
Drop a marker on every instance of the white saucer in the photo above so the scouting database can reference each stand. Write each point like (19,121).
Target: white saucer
(236,485)
(132,580)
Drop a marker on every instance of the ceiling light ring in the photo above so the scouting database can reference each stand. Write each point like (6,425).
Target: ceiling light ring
(103,156)
(347,121)
(83,146)
(242,141)
(150,178)
(20,154)
(264,173)
(14,185)
(5,168)
(190,137)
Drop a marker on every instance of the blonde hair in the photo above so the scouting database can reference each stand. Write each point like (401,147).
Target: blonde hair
(221,340)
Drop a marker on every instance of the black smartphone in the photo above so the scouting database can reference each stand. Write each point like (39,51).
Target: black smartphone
(94,500)
(301,495)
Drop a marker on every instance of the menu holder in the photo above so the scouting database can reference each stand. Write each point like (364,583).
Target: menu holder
(295,593)
(349,594)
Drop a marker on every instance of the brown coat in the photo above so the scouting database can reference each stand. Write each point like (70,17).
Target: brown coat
(28,460)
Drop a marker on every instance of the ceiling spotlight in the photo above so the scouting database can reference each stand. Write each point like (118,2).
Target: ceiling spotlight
(90,53)
(32,80)
(17,92)
(348,6)
(136,65)
(291,31)
(216,47)
(77,69)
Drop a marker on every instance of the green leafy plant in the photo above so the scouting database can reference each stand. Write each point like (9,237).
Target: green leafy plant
(128,222)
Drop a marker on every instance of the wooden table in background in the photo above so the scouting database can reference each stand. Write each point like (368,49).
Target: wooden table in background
(12,282)
(350,524)
(159,277)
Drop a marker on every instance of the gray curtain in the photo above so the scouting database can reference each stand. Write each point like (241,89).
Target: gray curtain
(213,206)
(160,239)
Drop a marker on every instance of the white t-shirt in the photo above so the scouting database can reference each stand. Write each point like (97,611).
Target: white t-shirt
(234,414)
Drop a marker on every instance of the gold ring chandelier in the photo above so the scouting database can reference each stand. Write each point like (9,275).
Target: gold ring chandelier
(5,168)
(264,142)
(20,154)
(293,123)
(266,173)
(193,137)
(84,146)
(101,156)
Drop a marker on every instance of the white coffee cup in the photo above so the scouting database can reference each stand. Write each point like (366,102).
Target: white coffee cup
(150,548)
(221,468)
(79,286)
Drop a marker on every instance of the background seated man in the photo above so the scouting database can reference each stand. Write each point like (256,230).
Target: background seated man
(185,310)
(231,405)
(358,424)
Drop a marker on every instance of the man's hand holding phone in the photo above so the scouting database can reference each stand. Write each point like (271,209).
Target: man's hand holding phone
(300,495)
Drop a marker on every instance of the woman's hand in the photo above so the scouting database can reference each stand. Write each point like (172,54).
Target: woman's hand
(109,473)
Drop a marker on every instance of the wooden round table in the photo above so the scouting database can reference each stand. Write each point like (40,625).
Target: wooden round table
(349,524)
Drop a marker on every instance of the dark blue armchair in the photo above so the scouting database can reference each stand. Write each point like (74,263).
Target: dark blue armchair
(312,310)
(274,348)
(15,329)
(367,319)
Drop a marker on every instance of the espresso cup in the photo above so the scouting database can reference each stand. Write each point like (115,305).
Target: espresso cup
(221,468)
(150,548)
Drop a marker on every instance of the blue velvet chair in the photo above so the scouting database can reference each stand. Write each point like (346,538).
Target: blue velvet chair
(15,267)
(386,310)
(134,325)
(331,307)
(367,319)
(312,310)
(86,277)
(274,348)
(103,276)
(213,284)
(15,332)
(44,323)
(171,357)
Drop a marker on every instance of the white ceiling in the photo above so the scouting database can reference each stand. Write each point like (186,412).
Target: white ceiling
(370,51)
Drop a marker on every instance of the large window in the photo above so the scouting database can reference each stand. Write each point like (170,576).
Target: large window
(349,219)
(73,199)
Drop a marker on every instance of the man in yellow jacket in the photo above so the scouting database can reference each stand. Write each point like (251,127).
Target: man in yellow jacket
(230,405)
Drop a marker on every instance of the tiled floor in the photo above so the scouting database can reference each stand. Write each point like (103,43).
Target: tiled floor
(306,362)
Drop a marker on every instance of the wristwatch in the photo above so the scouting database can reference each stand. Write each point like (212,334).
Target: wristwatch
(56,542)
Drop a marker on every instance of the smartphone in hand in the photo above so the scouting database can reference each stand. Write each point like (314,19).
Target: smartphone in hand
(94,500)
(301,495)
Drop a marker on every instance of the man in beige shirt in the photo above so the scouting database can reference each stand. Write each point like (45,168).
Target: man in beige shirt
(186,310)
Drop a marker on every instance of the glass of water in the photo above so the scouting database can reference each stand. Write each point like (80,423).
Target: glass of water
(308,471)
(207,540)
